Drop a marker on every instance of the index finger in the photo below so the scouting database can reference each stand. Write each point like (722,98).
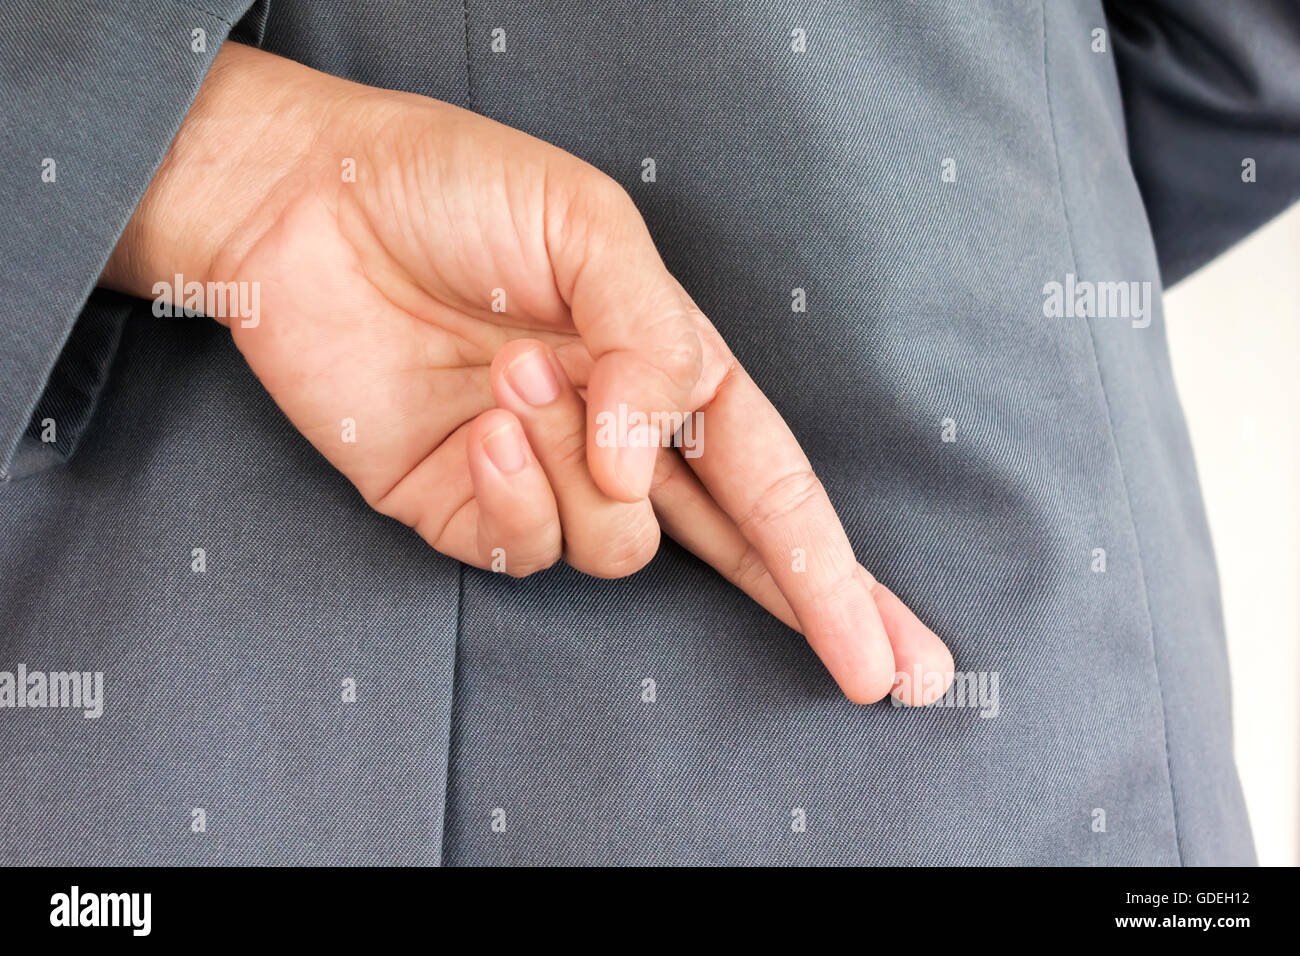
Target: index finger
(756,471)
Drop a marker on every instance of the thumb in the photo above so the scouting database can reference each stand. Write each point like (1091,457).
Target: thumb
(656,358)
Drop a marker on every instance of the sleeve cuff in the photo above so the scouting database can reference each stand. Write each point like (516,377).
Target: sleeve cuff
(98,94)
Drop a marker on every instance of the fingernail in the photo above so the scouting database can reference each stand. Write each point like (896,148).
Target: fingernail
(505,447)
(533,379)
(636,460)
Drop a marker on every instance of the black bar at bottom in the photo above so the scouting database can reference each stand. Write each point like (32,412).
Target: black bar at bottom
(880,906)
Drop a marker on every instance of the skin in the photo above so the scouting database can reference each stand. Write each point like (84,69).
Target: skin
(476,426)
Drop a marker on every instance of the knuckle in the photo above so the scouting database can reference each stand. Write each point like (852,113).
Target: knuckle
(432,524)
(606,193)
(619,554)
(534,565)
(820,593)
(585,205)
(748,570)
(566,452)
(534,550)
(786,496)
(680,357)
(665,474)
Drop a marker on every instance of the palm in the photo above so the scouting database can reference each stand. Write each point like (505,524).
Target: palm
(380,315)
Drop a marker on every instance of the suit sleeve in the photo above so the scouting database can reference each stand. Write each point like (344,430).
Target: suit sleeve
(1211,95)
(93,93)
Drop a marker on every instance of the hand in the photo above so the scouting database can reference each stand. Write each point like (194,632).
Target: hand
(429,322)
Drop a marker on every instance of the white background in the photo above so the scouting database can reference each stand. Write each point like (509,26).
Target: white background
(1234,334)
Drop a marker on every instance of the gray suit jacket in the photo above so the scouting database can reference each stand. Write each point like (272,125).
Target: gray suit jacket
(924,172)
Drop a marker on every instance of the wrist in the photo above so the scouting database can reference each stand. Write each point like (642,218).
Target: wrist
(250,141)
